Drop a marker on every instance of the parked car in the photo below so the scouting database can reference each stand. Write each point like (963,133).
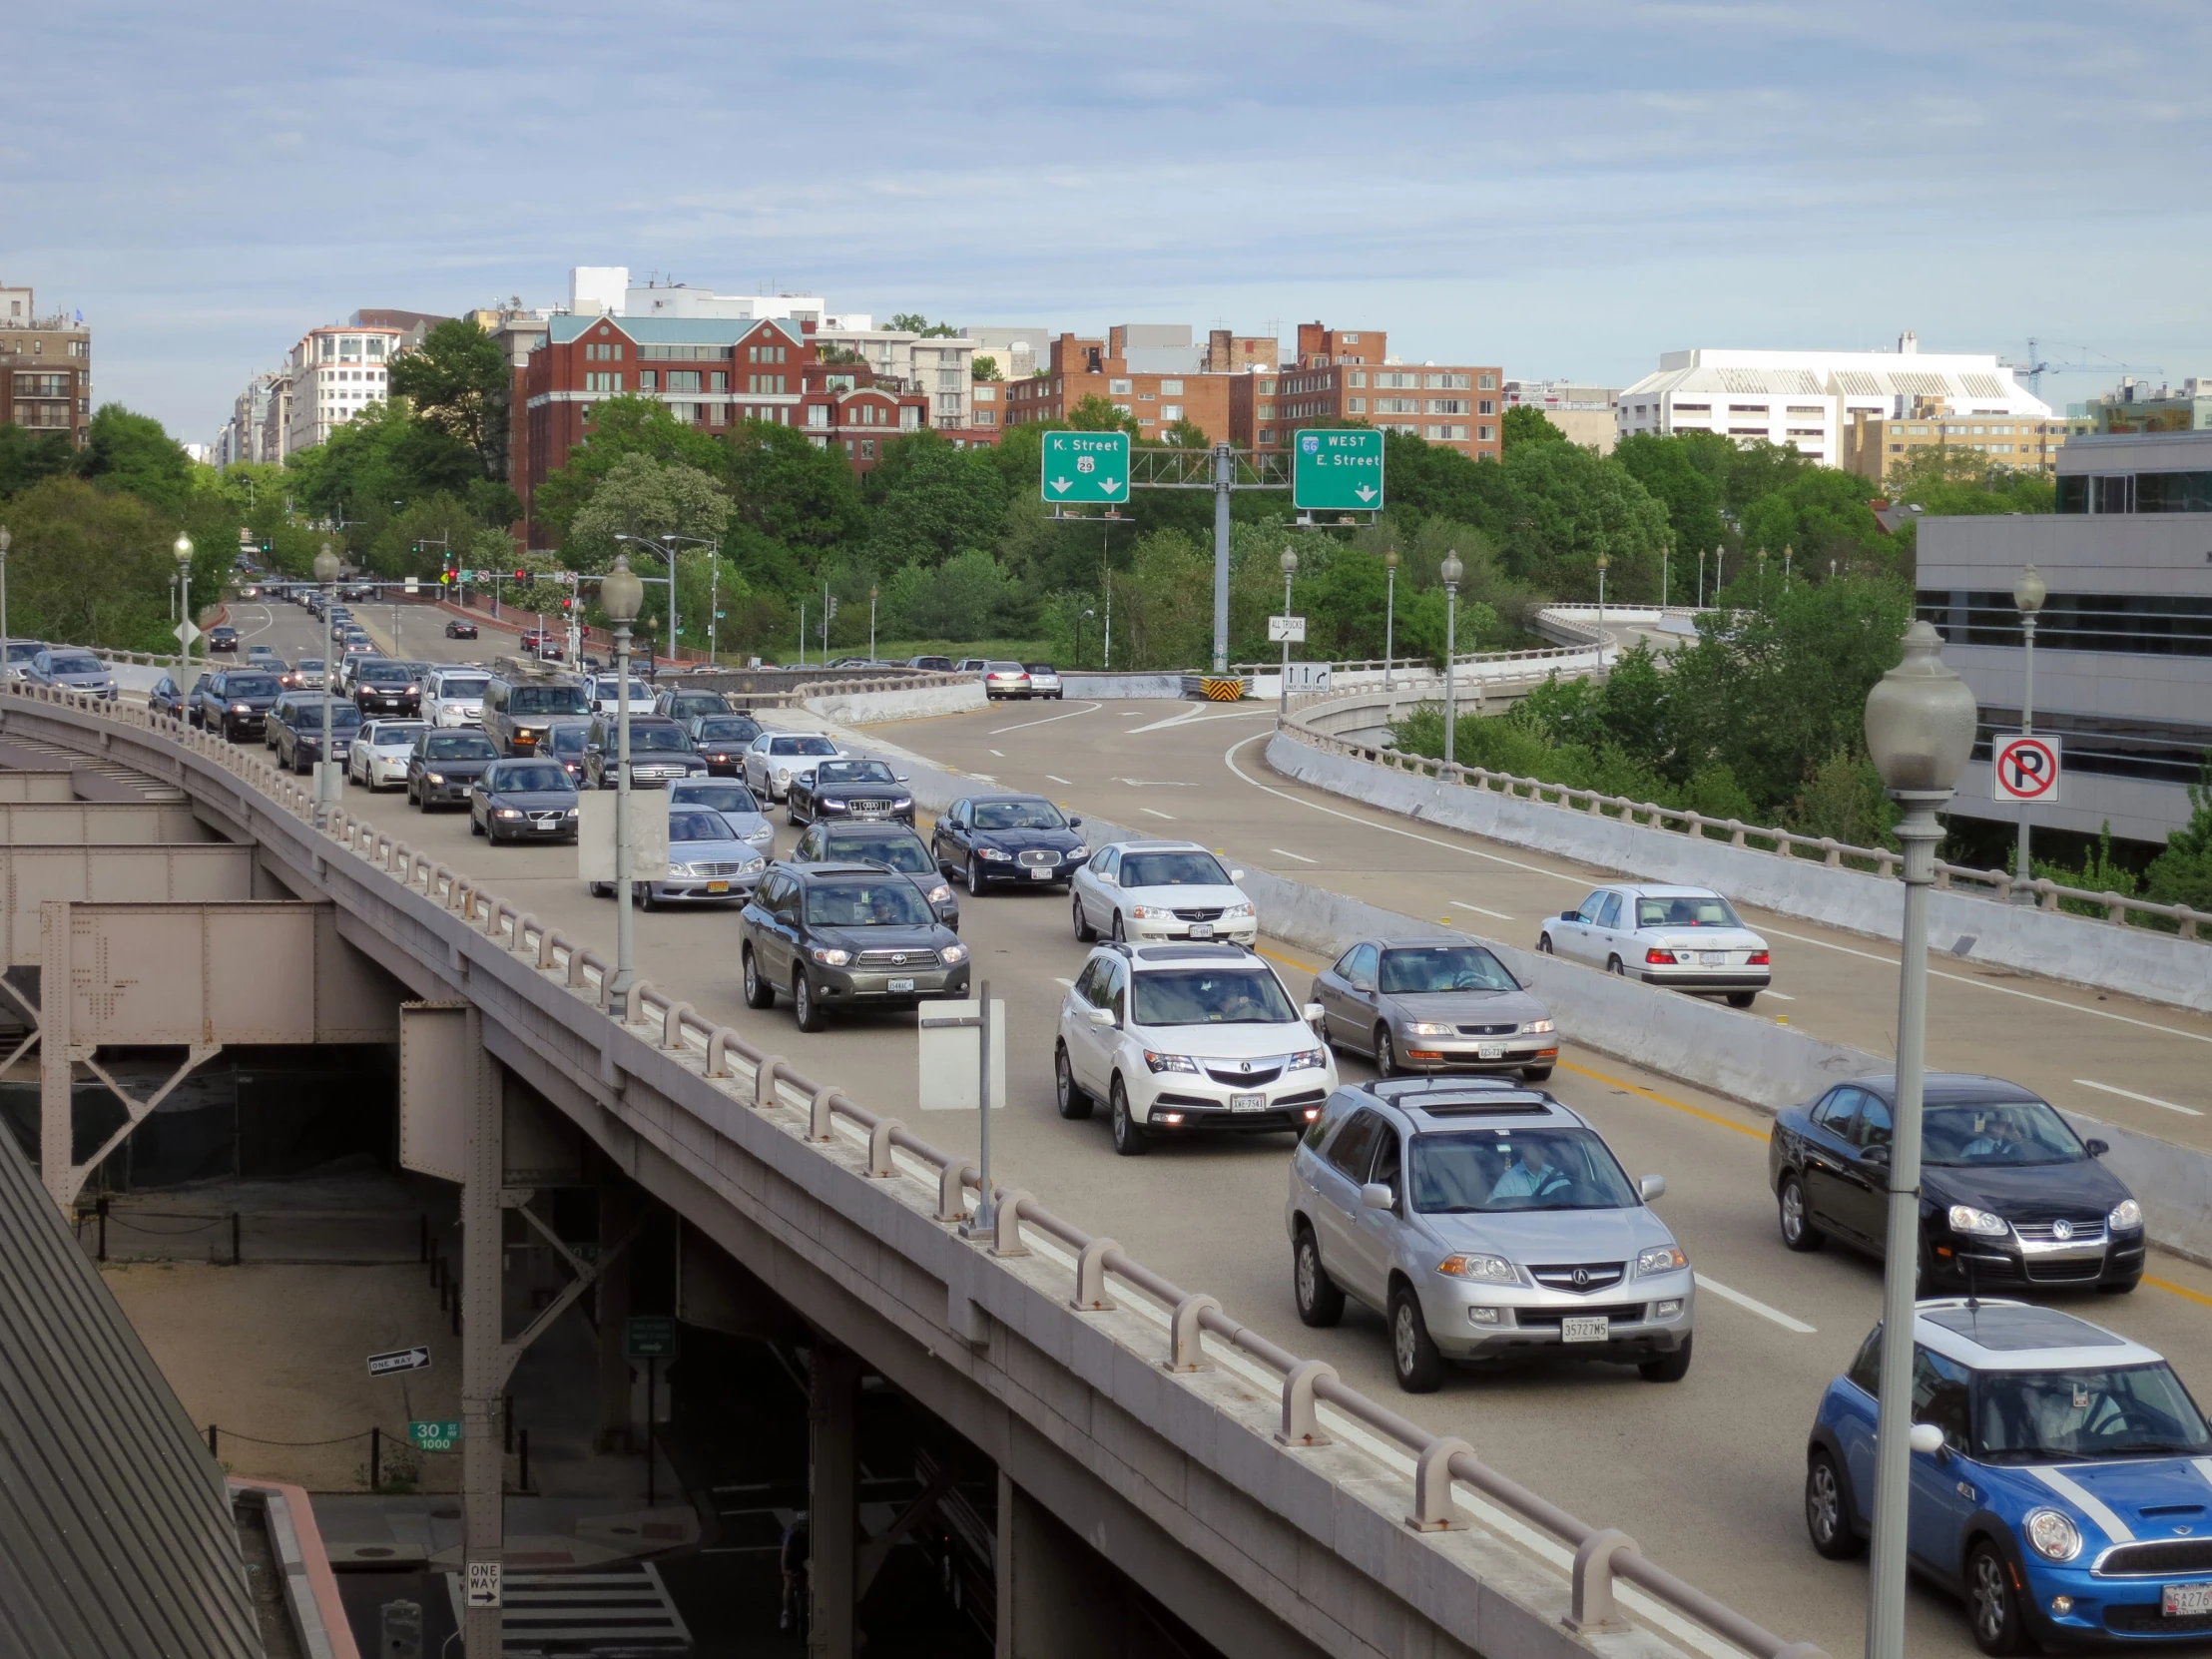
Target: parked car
(1145,891)
(523,800)
(378,756)
(1005,679)
(1684,938)
(708,862)
(1185,1040)
(931,665)
(721,739)
(605,693)
(455,696)
(1435,1005)
(71,668)
(835,936)
(2058,1476)
(456,628)
(167,697)
(222,637)
(299,736)
(386,688)
(849,790)
(1483,1223)
(892,845)
(773,759)
(970,665)
(1044,679)
(685,704)
(1008,838)
(658,753)
(234,702)
(518,704)
(2009,1194)
(443,766)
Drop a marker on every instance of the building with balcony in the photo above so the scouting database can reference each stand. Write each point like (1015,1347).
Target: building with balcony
(337,372)
(45,367)
(1342,374)
(1014,350)
(937,366)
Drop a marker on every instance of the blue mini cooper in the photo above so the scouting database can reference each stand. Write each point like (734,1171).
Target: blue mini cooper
(2061,1476)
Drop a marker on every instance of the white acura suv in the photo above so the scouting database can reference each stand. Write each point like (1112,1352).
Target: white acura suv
(1183,1039)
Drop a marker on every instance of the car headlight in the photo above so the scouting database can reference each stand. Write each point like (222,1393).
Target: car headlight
(1308,1059)
(509,812)
(1965,1218)
(1661,1258)
(783,774)
(693,869)
(1429,1028)
(433,778)
(1075,855)
(2052,1534)
(571,813)
(1170,1062)
(766,832)
(833,802)
(2126,1216)
(952,953)
(830,956)
(999,855)
(1492,1270)
(1537,1026)
(903,801)
(941,894)
(242,708)
(1239,910)
(745,869)
(1150,913)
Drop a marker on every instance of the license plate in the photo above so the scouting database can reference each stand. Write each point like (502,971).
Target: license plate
(1712,958)
(903,984)
(718,886)
(2186,1600)
(1247,1103)
(1040,875)
(1201,930)
(1489,1051)
(1585,1329)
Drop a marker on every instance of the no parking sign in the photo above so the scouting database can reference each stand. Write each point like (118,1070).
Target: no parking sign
(2028,769)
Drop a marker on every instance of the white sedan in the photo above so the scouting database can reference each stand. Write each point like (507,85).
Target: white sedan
(377,757)
(1685,938)
(1148,890)
(773,759)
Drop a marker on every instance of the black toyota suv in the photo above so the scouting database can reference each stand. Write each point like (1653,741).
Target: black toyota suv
(234,702)
(845,935)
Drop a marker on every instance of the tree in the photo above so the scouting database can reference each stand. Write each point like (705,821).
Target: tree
(963,599)
(1097,415)
(459,383)
(931,501)
(1822,513)
(984,368)
(126,451)
(1525,425)
(1184,434)
(621,426)
(1684,481)
(799,497)
(93,566)
(27,456)
(1561,507)
(641,496)
(914,323)
(2182,874)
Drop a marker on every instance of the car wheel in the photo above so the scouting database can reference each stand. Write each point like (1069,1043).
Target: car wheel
(1074,1103)
(1742,999)
(1798,1231)
(974,874)
(1413,1356)
(645,897)
(1992,1604)
(1129,1137)
(1084,931)
(1671,1368)
(1613,966)
(1117,935)
(601,889)
(475,828)
(1825,1517)
(1543,945)
(1536,1074)
(790,816)
(759,993)
(1386,1053)
(805,1007)
(1320,1303)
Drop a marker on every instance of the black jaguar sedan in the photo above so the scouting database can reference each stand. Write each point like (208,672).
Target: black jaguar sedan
(2011,1195)
(1008,838)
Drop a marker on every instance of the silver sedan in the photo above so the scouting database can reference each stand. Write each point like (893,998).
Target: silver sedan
(1435,1005)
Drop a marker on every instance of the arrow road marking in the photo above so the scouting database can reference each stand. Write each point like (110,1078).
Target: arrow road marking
(1062,483)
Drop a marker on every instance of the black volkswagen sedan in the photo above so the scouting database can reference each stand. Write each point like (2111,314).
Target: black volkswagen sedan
(845,937)
(444,767)
(849,790)
(1008,838)
(2009,1194)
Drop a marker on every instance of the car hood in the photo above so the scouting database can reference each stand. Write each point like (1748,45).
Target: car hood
(722,851)
(468,766)
(2025,1190)
(1191,898)
(1014,840)
(744,825)
(1229,1042)
(931,938)
(533,801)
(86,677)
(1541,1236)
(253,700)
(1701,939)
(2124,1485)
(1472,1007)
(864,792)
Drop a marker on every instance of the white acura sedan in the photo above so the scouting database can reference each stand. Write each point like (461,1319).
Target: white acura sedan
(1685,938)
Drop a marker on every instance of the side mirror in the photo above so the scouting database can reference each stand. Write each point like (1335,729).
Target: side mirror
(1075,824)
(1377,1196)
(1876,1154)
(1106,880)
(1236,875)
(1102,1016)
(1651,1187)
(2097,1149)
(1927,1438)
(1360,984)
(1313,1013)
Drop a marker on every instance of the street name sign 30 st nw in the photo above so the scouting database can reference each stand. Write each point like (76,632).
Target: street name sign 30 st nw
(1336,471)
(1087,468)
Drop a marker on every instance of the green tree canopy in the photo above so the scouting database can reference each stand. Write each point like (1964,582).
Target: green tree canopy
(641,496)
(131,452)
(94,566)
(793,491)
(621,426)
(984,368)
(931,501)
(1560,508)
(914,323)
(1819,512)
(27,456)
(459,383)
(1684,477)
(1098,414)
(1524,424)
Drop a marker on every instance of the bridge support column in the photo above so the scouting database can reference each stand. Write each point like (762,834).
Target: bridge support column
(618,1203)
(483,1369)
(834,1499)
(1056,1599)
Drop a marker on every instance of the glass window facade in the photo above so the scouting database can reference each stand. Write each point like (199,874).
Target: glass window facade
(2154,625)
(2137,492)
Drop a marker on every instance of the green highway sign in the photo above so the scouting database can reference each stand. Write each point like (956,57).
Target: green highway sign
(1338,470)
(649,1336)
(434,1437)
(1090,467)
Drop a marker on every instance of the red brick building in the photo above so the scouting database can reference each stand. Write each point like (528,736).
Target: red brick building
(712,373)
(1348,374)
(1156,397)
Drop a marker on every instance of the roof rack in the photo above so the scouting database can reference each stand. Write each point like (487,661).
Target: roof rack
(1497,1106)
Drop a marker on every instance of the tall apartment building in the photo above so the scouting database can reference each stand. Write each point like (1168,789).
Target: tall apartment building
(335,372)
(1809,399)
(1150,371)
(1875,446)
(45,367)
(1014,350)
(1584,413)
(938,365)
(1348,374)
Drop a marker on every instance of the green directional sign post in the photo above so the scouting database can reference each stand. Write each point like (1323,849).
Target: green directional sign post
(649,1336)
(1337,471)
(1089,467)
(434,1437)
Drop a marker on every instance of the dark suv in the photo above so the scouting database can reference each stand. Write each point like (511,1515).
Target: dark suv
(388,689)
(298,722)
(660,753)
(234,702)
(845,935)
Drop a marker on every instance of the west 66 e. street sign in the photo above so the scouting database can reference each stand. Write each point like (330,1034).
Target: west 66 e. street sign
(1336,471)
(1090,467)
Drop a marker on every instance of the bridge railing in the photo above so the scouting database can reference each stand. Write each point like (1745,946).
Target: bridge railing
(771,1082)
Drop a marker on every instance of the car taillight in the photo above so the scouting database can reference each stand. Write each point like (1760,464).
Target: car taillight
(1655,955)
(1758,958)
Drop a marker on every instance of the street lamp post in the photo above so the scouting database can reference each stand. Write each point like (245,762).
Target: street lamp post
(1700,578)
(621,596)
(1665,571)
(667,552)
(1452,571)
(6,541)
(872,623)
(2028,593)
(1604,564)
(326,770)
(184,577)
(1389,623)
(1921,722)
(1788,552)
(1289,569)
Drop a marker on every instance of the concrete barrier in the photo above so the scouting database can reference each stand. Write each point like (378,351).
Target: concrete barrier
(2159,967)
(866,707)
(1108,687)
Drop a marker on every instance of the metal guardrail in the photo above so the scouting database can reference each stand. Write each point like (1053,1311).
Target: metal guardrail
(1996,885)
(1603,1555)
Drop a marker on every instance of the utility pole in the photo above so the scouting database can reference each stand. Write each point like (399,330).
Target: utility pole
(483,1505)
(1225,477)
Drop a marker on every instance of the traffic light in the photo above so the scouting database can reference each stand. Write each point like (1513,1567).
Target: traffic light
(568,605)
(522,576)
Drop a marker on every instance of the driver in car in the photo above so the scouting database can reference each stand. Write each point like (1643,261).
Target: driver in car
(1994,1137)
(1534,1176)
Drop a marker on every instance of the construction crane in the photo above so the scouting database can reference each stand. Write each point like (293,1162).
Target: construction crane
(2033,370)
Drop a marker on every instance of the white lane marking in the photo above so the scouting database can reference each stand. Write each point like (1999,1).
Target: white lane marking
(1158,783)
(1057,981)
(1779,996)
(2146,1099)
(1054,777)
(1000,752)
(1229,760)
(1198,717)
(1287,854)
(2089,1504)
(1753,1304)
(1462,904)
(1170,816)
(1047,721)
(983,777)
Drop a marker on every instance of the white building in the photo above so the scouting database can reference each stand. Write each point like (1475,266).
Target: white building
(335,374)
(1809,397)
(941,365)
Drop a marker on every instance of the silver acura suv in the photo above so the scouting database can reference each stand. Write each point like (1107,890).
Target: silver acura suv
(1483,1222)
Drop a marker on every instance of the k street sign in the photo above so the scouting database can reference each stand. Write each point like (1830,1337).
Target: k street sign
(1088,467)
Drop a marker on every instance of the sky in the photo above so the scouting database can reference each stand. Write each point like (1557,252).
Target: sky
(1567,189)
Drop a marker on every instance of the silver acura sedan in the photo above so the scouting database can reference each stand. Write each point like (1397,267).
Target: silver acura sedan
(1435,1005)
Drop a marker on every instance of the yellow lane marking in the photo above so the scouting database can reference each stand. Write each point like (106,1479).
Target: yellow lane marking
(2171,1289)
(1664,1100)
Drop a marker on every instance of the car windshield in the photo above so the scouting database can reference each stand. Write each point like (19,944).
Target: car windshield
(1042,668)
(309,665)
(565,740)
(1172,870)
(1443,967)
(532,778)
(659,739)
(853,772)
(1484,1171)
(450,687)
(717,797)
(547,700)
(610,691)
(1209,996)
(2031,1417)
(1018,814)
(76,662)
(733,730)
(252,684)
(343,718)
(23,651)
(2011,1132)
(697,826)
(868,904)
(460,746)
(399,736)
(803,745)
(899,852)
(386,674)
(1706,910)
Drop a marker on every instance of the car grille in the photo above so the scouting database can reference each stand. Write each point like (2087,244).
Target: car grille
(1595,1276)
(918,956)
(1198,915)
(1039,857)
(2082,1229)
(1262,1071)
(862,806)
(2046,1272)
(639,769)
(2143,1618)
(721,871)
(2155,1560)
(1625,1313)
(549,817)
(1488,1030)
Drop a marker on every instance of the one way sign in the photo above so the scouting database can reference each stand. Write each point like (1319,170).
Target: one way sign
(399,1359)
